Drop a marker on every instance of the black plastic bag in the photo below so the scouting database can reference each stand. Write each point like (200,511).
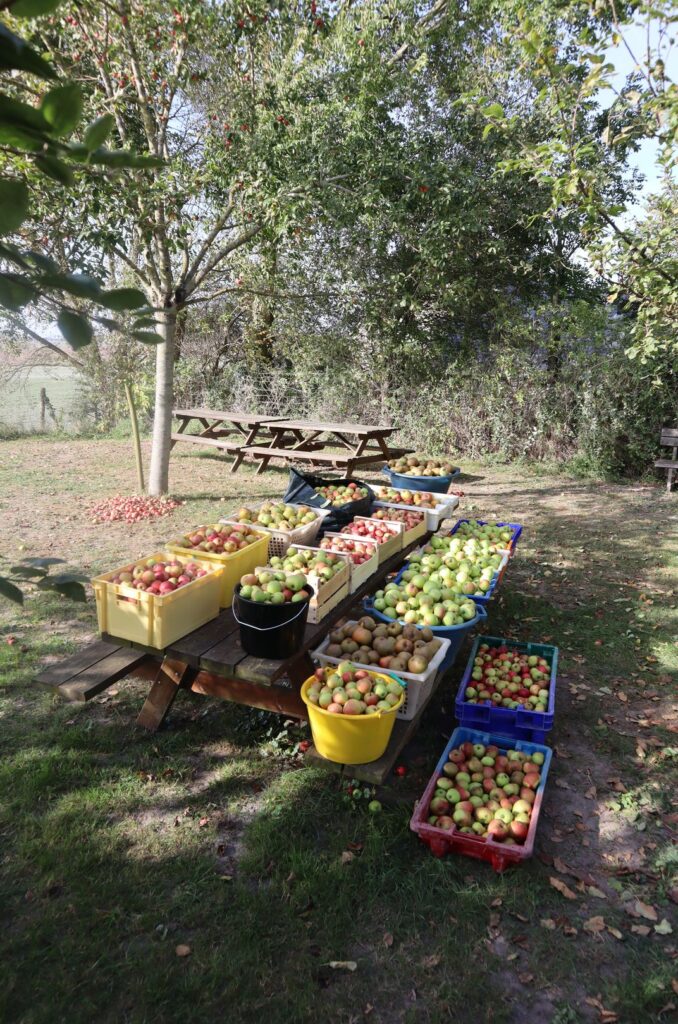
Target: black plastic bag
(300,491)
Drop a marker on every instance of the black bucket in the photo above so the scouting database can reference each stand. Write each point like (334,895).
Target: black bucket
(271,630)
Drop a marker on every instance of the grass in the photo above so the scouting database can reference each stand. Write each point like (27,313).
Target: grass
(118,847)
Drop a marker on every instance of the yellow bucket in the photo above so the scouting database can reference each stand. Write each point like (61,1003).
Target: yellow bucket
(350,739)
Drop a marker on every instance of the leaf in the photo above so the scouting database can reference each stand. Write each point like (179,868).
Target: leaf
(663,928)
(148,337)
(562,784)
(10,591)
(645,910)
(494,110)
(203,823)
(55,169)
(674,985)
(565,890)
(548,923)
(615,933)
(15,291)
(33,8)
(640,929)
(561,866)
(15,53)
(347,857)
(429,962)
(13,205)
(62,108)
(81,285)
(120,299)
(183,950)
(98,131)
(343,965)
(525,979)
(598,893)
(594,925)
(388,939)
(75,328)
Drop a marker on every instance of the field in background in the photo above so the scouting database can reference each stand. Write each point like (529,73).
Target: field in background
(20,399)
(118,847)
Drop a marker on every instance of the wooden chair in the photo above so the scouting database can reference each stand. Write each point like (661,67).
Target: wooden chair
(669,439)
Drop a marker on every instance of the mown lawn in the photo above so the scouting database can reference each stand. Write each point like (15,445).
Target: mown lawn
(118,847)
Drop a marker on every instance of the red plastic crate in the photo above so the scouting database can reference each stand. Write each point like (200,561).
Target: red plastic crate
(441,841)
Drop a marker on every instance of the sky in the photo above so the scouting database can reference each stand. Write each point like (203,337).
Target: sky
(645,160)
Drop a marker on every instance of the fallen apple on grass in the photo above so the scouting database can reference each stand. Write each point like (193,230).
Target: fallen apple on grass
(495,807)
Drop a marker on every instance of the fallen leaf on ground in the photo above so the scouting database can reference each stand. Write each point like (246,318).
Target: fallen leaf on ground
(645,910)
(615,933)
(561,866)
(497,902)
(666,1009)
(562,784)
(525,979)
(594,925)
(430,961)
(183,950)
(663,928)
(203,822)
(565,890)
(548,922)
(622,697)
(598,893)
(347,857)
(674,985)
(569,930)
(225,878)
(343,965)
(388,939)
(640,929)
(591,792)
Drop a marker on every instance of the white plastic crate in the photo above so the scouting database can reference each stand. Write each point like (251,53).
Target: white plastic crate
(418,685)
(434,516)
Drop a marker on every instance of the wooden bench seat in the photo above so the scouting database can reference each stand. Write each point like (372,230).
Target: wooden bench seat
(210,442)
(669,439)
(91,670)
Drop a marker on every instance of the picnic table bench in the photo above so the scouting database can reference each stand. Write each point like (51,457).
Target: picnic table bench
(229,432)
(359,444)
(669,439)
(211,661)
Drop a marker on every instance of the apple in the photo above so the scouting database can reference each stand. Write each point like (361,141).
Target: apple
(421,465)
(338,495)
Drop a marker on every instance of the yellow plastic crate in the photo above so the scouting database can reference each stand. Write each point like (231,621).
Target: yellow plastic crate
(156,620)
(234,565)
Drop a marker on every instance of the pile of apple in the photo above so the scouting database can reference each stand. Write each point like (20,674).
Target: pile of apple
(400,515)
(341,494)
(466,566)
(509,679)
(380,532)
(276,515)
(275,587)
(158,577)
(439,606)
(491,535)
(421,465)
(396,647)
(323,564)
(484,792)
(347,690)
(220,539)
(421,499)
(357,550)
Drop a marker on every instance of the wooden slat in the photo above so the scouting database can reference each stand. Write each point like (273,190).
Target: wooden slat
(224,656)
(283,700)
(666,464)
(191,647)
(100,676)
(210,442)
(669,435)
(54,675)
(342,428)
(171,675)
(301,455)
(227,417)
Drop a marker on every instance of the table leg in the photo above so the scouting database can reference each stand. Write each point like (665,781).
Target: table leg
(171,675)
(181,428)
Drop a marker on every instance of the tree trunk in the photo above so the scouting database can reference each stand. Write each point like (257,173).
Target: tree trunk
(158,482)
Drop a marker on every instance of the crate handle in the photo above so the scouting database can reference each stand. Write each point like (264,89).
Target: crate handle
(266,629)
(124,599)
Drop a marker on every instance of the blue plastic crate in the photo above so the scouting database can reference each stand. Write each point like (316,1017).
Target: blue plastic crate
(441,841)
(516,528)
(518,723)
(435,484)
(455,634)
(487,596)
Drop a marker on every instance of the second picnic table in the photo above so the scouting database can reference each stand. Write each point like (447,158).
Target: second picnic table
(309,440)
(230,432)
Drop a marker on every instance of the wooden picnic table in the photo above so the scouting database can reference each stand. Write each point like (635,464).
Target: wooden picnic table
(230,432)
(308,440)
(211,661)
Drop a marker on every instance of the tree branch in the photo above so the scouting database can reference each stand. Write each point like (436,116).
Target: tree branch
(20,325)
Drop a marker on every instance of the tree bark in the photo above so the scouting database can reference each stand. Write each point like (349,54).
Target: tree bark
(158,482)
